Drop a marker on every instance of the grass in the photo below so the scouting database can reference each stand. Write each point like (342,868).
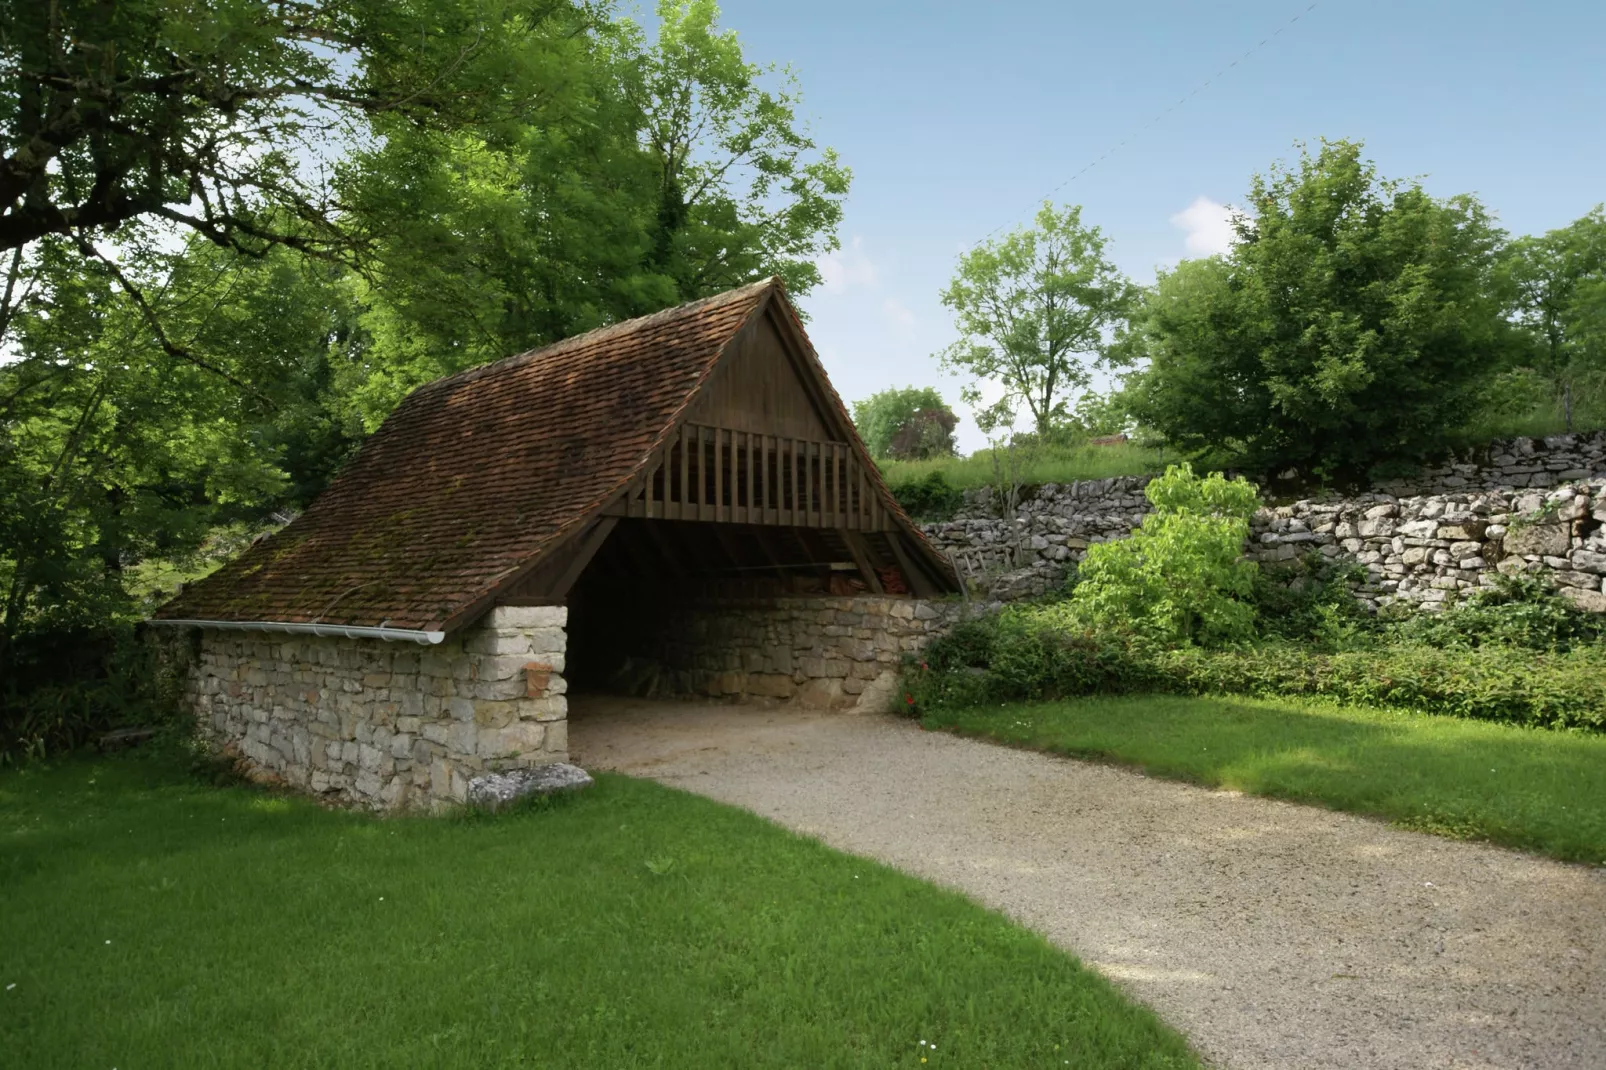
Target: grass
(1064,465)
(1537,789)
(153,921)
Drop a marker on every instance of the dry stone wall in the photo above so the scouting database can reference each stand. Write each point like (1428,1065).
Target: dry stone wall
(825,653)
(1427,550)
(385,724)
(1529,504)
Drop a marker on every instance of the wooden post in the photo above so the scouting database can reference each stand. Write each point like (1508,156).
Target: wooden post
(685,469)
(719,473)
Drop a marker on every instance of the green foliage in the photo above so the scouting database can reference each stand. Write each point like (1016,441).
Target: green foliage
(1181,577)
(1311,600)
(205,115)
(742,191)
(1519,611)
(1353,322)
(66,688)
(649,175)
(1098,415)
(1557,282)
(1032,310)
(1025,654)
(911,424)
(929,497)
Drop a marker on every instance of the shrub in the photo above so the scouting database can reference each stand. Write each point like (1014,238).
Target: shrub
(1311,600)
(931,497)
(1181,577)
(1519,611)
(1022,654)
(70,687)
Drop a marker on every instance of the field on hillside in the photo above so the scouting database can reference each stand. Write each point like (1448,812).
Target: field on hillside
(1060,465)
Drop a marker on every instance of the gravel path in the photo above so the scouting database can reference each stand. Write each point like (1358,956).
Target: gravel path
(1273,935)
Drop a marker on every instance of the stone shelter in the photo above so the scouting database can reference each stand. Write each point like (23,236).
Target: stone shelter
(675,504)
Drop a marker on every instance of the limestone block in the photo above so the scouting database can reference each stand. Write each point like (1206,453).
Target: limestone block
(821,694)
(1589,561)
(528,617)
(487,642)
(1538,539)
(771,685)
(879,695)
(545,641)
(1592,601)
(494,791)
(494,713)
(519,739)
(1583,580)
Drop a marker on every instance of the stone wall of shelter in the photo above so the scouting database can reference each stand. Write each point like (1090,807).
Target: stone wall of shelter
(381,724)
(834,653)
(1514,495)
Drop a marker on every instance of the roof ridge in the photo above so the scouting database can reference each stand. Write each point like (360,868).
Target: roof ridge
(598,334)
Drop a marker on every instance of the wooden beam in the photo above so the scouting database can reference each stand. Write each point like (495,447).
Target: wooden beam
(590,543)
(919,582)
(861,557)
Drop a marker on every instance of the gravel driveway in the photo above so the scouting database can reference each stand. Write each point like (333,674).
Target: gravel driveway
(1273,935)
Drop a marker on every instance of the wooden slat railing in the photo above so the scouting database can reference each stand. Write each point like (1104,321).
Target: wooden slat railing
(742,477)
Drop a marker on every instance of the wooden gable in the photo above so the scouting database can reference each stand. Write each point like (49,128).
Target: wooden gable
(766,443)
(759,388)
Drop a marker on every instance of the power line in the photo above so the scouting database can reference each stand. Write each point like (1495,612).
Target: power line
(1180,102)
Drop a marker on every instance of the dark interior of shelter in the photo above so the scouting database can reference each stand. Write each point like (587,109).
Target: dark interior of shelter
(626,606)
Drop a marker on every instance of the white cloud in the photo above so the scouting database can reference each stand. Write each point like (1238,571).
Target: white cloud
(898,313)
(844,269)
(1209,226)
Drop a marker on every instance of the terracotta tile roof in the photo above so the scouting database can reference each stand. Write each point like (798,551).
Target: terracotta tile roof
(474,475)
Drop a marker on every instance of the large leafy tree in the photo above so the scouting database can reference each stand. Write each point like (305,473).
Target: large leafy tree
(217,117)
(1034,311)
(1352,323)
(665,172)
(911,423)
(742,190)
(1558,284)
(117,448)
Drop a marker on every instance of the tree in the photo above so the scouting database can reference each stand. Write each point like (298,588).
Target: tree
(116,450)
(1352,323)
(1033,311)
(221,119)
(560,224)
(742,190)
(1558,284)
(909,424)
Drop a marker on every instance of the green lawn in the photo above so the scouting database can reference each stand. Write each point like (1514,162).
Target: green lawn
(1049,466)
(152,921)
(1539,789)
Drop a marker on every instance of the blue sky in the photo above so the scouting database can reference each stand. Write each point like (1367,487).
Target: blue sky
(958,118)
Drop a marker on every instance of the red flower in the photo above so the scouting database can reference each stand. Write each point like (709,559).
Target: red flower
(908,699)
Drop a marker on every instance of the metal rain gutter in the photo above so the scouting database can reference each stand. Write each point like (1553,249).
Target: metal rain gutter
(349,631)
